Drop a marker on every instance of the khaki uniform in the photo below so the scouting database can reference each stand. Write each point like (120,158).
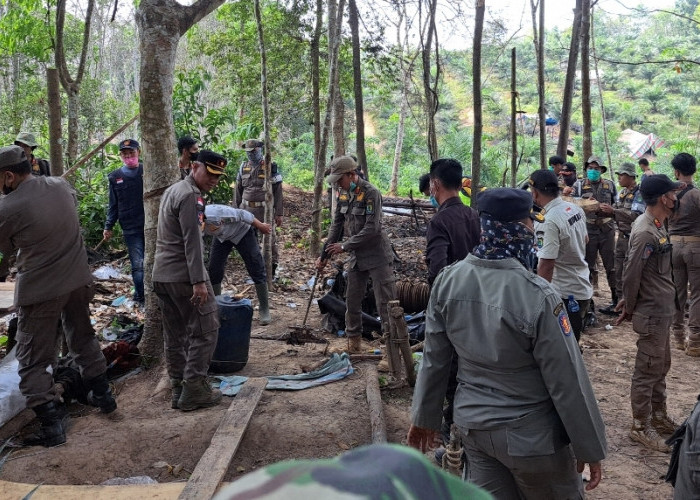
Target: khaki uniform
(359,217)
(650,296)
(601,229)
(189,332)
(684,228)
(628,207)
(53,283)
(250,196)
(524,404)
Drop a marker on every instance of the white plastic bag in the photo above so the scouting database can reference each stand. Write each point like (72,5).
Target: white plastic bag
(11,400)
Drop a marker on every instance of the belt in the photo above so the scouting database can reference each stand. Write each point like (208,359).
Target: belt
(684,239)
(253,204)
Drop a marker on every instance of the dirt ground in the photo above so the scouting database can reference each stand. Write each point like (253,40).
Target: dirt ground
(327,420)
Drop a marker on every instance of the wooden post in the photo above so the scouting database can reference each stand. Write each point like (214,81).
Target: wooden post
(392,349)
(400,334)
(374,401)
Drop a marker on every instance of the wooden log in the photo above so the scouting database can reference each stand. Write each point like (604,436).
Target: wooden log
(401,335)
(366,357)
(392,348)
(374,401)
(211,468)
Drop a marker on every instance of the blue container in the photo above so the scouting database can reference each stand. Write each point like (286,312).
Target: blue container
(231,352)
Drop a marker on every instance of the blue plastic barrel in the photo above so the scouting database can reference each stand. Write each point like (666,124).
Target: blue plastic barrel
(231,353)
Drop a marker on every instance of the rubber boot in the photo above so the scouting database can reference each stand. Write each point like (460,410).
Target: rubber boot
(217,289)
(100,395)
(679,339)
(643,433)
(355,345)
(176,384)
(610,308)
(662,422)
(264,302)
(53,419)
(197,393)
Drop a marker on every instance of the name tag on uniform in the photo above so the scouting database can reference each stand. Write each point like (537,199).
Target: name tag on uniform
(120,181)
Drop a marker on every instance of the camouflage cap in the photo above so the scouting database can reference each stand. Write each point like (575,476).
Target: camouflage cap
(596,160)
(11,156)
(251,144)
(627,168)
(26,138)
(339,166)
(215,163)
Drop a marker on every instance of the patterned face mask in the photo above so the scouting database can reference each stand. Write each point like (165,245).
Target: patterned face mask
(504,240)
(255,156)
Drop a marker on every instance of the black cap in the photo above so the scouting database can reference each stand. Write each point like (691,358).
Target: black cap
(506,204)
(568,167)
(658,184)
(129,144)
(215,163)
(544,180)
(11,156)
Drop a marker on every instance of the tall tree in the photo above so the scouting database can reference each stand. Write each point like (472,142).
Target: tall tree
(338,126)
(430,84)
(353,21)
(476,90)
(586,78)
(569,83)
(161,24)
(538,40)
(315,244)
(513,114)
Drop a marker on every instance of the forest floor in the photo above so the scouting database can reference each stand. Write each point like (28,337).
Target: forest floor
(323,421)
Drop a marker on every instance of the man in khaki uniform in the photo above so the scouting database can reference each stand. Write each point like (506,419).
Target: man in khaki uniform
(359,214)
(628,207)
(53,284)
(684,228)
(250,190)
(180,279)
(649,301)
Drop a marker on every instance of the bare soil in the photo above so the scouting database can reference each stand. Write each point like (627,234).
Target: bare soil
(322,421)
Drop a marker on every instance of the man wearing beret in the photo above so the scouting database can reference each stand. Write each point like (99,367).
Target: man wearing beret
(524,405)
(649,301)
(250,191)
(181,282)
(358,216)
(562,239)
(600,225)
(27,141)
(126,207)
(53,284)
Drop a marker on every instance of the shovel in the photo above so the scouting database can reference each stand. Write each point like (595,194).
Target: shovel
(311,298)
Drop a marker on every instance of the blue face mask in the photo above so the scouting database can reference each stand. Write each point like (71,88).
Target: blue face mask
(353,186)
(593,175)
(434,202)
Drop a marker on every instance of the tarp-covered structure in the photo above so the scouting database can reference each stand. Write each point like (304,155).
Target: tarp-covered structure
(640,144)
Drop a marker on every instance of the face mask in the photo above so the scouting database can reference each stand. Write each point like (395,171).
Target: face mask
(353,186)
(194,156)
(569,180)
(131,162)
(676,205)
(551,168)
(434,202)
(593,175)
(255,155)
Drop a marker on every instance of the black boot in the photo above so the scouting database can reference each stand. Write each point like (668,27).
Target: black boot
(53,418)
(100,394)
(610,309)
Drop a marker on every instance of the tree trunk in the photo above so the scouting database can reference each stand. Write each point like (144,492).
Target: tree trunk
(269,217)
(430,86)
(476,90)
(357,84)
(338,104)
(538,40)
(513,131)
(315,244)
(55,145)
(160,24)
(602,103)
(586,78)
(569,84)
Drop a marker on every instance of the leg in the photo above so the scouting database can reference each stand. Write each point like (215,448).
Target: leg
(607,254)
(218,255)
(688,481)
(658,395)
(694,312)
(577,318)
(621,250)
(135,244)
(80,335)
(174,332)
(680,280)
(485,470)
(384,285)
(249,250)
(202,334)
(592,253)
(356,286)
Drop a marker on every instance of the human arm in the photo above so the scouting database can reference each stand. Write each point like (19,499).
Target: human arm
(112,210)
(372,227)
(545,268)
(438,243)
(188,219)
(199,293)
(262,227)
(421,438)
(640,245)
(549,253)
(621,307)
(238,190)
(596,473)
(278,198)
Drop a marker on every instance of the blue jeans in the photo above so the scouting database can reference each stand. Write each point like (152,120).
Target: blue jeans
(135,244)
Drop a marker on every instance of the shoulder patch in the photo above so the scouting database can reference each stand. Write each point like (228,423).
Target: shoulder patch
(343,197)
(369,210)
(648,250)
(564,323)
(558,309)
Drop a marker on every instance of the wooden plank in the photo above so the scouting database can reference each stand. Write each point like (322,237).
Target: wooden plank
(214,463)
(374,401)
(7,296)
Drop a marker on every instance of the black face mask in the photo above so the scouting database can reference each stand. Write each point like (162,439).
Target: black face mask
(194,156)
(569,180)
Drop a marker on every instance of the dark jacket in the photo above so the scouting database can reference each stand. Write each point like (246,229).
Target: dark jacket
(126,201)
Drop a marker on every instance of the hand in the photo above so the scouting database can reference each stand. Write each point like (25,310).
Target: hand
(606,209)
(320,264)
(278,220)
(199,293)
(334,249)
(596,473)
(567,191)
(421,438)
(622,309)
(107,234)
(262,227)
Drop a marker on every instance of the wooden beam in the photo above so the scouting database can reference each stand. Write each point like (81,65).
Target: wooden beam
(374,401)
(210,469)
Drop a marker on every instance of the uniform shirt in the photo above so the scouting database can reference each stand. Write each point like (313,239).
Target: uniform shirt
(518,358)
(250,185)
(647,285)
(686,221)
(629,206)
(358,215)
(562,238)
(51,260)
(126,199)
(603,191)
(227,223)
(452,233)
(179,247)
(40,166)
